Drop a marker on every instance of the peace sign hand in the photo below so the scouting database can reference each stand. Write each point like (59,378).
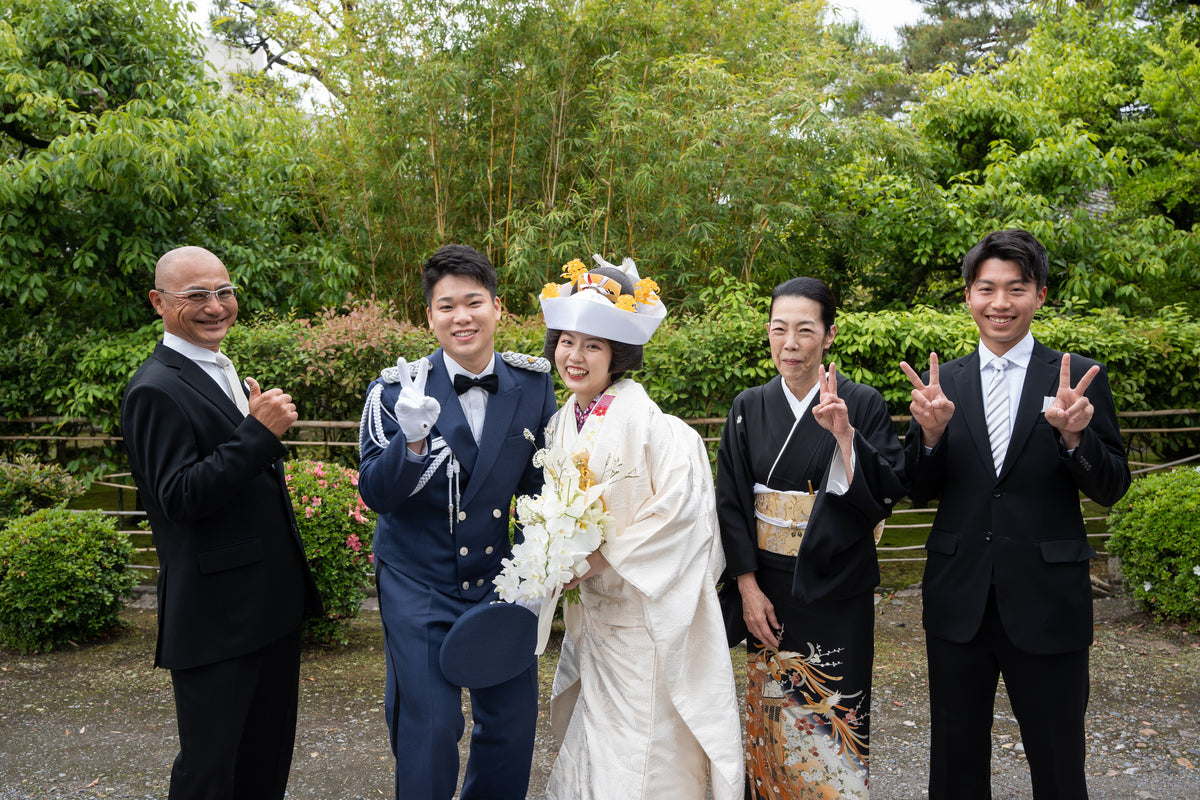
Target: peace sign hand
(930,407)
(830,410)
(1071,410)
(415,412)
(832,415)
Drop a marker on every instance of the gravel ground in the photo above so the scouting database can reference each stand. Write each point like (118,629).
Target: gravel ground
(98,721)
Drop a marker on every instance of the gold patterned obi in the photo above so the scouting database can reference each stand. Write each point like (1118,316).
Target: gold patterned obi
(781,518)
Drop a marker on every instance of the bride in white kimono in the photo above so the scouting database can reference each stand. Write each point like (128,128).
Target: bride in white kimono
(643,702)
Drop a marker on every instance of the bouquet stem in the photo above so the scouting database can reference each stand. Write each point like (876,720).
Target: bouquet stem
(546,620)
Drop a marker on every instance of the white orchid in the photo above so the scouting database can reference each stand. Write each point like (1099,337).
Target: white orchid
(562,526)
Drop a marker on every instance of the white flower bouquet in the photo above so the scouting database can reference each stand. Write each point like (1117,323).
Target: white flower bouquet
(562,526)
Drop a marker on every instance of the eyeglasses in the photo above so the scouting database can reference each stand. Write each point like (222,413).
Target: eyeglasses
(202,297)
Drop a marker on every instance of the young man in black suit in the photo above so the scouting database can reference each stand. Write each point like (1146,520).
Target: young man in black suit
(1007,438)
(233,583)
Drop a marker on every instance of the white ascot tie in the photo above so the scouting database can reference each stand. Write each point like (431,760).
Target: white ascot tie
(996,408)
(236,392)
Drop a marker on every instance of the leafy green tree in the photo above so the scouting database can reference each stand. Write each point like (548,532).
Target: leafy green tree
(308,39)
(689,136)
(116,150)
(1059,140)
(959,33)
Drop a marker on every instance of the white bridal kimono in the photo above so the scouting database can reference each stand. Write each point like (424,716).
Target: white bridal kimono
(644,700)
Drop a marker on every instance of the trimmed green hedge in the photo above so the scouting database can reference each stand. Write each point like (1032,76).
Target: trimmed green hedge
(62,578)
(27,485)
(1154,533)
(694,365)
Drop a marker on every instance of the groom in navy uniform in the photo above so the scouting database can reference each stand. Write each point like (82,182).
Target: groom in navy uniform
(443,453)
(1008,437)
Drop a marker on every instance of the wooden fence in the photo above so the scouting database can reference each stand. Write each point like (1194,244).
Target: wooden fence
(334,435)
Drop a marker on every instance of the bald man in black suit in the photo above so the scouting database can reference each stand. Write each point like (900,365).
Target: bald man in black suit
(233,583)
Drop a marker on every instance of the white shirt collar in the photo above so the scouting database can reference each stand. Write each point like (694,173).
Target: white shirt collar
(454,368)
(185,348)
(1018,356)
(799,404)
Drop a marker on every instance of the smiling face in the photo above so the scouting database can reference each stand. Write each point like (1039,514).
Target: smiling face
(585,365)
(463,315)
(202,324)
(798,341)
(1003,303)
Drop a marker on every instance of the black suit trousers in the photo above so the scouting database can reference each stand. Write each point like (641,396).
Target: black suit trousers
(1048,694)
(237,724)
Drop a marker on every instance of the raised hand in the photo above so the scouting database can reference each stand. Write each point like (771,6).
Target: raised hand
(415,413)
(1071,410)
(274,409)
(930,407)
(830,409)
(832,415)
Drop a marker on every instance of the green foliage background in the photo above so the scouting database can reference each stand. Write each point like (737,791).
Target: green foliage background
(62,578)
(724,144)
(27,485)
(337,529)
(1154,533)
(695,364)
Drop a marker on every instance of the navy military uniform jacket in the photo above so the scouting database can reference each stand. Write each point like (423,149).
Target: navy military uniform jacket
(452,532)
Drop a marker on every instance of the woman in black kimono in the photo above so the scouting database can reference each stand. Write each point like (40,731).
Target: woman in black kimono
(809,466)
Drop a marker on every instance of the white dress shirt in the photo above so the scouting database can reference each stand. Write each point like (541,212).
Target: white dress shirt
(473,400)
(1018,358)
(204,358)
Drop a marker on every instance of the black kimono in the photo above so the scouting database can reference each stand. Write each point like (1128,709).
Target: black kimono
(808,703)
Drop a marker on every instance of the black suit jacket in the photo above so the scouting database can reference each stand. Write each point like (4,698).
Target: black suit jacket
(232,573)
(1021,530)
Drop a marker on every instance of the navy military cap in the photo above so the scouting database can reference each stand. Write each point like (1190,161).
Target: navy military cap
(488,645)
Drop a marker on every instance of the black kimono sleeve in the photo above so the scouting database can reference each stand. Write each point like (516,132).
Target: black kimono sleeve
(735,493)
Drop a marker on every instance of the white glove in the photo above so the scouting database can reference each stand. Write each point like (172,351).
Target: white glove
(415,413)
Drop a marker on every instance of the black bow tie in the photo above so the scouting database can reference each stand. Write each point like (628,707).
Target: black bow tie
(489,382)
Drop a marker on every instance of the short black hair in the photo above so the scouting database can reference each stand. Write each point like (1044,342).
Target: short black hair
(461,260)
(1016,245)
(621,278)
(814,289)
(625,357)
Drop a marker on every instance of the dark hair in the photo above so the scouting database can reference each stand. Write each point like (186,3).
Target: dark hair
(814,289)
(1020,247)
(457,259)
(626,282)
(625,357)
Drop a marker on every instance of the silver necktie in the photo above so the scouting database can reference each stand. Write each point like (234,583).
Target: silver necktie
(996,408)
(235,384)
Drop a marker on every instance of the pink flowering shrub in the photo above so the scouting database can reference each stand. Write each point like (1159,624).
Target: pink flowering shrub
(337,528)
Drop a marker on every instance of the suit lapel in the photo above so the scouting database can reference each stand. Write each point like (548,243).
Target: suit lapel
(496,423)
(1041,379)
(199,380)
(969,393)
(452,422)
